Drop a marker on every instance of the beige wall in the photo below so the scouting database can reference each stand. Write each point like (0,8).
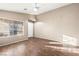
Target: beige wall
(19,17)
(61,24)
(4,27)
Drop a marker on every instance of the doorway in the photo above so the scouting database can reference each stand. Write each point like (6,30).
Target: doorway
(30,29)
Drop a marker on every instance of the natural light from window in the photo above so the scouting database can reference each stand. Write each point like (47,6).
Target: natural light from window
(69,40)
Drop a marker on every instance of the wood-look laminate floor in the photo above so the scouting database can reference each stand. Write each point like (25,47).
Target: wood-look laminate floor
(38,47)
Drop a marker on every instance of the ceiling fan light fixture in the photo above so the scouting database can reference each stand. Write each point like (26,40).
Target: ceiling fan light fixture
(35,9)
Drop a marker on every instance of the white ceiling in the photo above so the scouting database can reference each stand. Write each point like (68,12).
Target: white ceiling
(19,7)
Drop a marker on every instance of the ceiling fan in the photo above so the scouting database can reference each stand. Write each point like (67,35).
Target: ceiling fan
(36,8)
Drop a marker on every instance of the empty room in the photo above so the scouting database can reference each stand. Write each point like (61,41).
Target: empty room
(39,29)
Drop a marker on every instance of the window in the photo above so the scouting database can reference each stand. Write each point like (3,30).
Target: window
(10,27)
